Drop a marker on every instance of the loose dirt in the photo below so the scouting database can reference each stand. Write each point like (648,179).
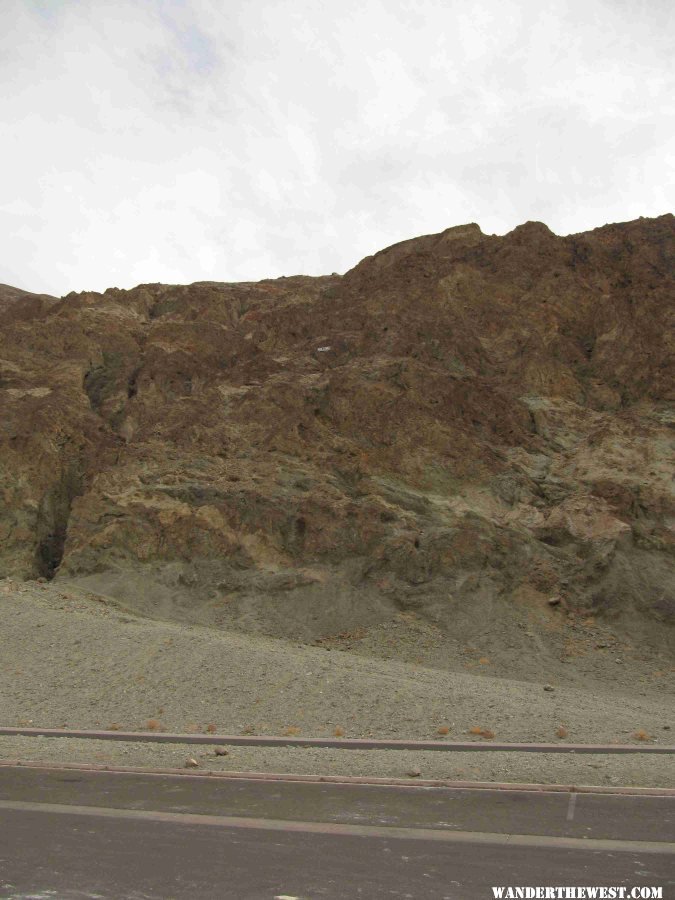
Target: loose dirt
(74,659)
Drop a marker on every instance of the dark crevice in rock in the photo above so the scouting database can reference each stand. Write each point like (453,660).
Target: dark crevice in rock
(111,384)
(52,520)
(132,385)
(165,306)
(101,381)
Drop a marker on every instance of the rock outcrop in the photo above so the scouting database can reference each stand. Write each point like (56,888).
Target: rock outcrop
(460,425)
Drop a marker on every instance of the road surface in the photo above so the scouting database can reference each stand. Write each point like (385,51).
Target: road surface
(126,836)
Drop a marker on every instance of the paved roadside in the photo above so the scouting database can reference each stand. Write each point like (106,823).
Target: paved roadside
(136,836)
(555,814)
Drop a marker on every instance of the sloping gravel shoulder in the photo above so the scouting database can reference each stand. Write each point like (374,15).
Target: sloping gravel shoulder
(75,660)
(515,768)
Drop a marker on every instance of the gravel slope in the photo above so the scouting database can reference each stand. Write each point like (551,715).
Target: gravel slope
(68,659)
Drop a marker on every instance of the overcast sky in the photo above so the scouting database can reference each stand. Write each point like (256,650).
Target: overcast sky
(187,140)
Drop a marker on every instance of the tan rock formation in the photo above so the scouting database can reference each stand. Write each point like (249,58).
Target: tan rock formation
(459,422)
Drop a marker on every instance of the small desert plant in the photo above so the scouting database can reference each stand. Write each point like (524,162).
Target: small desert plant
(154,725)
(641,735)
(356,635)
(443,730)
(338,732)
(483,732)
(290,730)
(211,729)
(114,726)
(484,660)
(561,731)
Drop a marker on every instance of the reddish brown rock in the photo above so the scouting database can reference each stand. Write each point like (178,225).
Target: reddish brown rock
(460,422)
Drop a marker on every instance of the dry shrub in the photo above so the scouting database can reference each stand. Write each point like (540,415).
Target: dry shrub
(211,729)
(114,726)
(338,732)
(291,730)
(443,730)
(404,616)
(641,735)
(153,725)
(561,731)
(483,732)
(356,635)
(484,660)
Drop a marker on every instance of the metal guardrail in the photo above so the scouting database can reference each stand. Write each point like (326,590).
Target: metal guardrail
(162,737)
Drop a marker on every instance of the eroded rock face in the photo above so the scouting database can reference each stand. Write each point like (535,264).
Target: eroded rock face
(461,422)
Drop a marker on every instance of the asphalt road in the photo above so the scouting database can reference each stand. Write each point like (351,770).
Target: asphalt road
(127,836)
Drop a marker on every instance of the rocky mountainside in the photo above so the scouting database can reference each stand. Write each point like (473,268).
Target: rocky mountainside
(464,426)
